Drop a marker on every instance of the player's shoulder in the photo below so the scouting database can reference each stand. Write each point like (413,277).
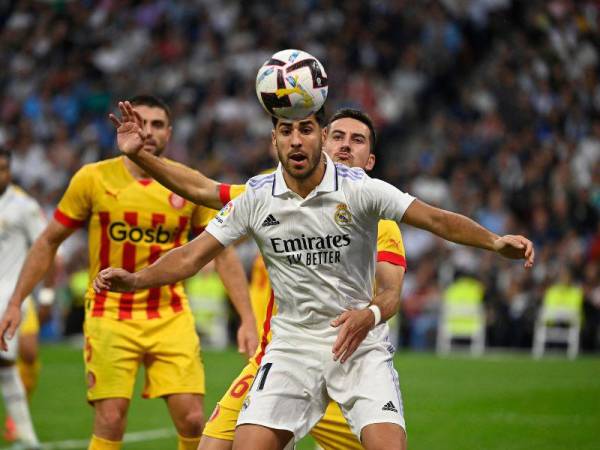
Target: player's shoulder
(98,168)
(19,195)
(262,183)
(350,175)
(20,199)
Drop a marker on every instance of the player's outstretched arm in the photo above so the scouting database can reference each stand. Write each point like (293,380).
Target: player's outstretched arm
(176,265)
(462,230)
(355,325)
(38,262)
(187,182)
(230,269)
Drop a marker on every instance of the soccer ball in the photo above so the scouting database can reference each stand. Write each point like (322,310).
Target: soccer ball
(291,85)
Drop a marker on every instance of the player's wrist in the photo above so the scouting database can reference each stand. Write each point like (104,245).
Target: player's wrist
(376,313)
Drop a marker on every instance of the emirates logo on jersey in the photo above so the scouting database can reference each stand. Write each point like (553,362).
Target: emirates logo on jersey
(176,201)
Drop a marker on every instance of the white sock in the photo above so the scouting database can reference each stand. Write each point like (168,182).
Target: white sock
(15,402)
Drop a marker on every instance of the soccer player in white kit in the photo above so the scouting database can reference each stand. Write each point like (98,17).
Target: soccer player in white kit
(315,223)
(21,221)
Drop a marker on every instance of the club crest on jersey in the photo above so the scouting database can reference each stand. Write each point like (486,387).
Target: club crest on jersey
(225,211)
(176,201)
(342,215)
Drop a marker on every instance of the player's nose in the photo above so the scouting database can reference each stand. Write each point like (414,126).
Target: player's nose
(296,140)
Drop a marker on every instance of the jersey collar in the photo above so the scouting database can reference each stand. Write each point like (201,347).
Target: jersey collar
(329,183)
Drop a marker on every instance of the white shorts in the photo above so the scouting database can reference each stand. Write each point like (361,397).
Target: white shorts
(294,384)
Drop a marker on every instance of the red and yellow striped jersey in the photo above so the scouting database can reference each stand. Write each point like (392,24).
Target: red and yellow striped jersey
(390,248)
(130,223)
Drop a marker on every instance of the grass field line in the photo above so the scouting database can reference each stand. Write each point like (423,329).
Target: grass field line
(135,436)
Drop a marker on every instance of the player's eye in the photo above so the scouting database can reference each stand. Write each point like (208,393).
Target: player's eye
(337,137)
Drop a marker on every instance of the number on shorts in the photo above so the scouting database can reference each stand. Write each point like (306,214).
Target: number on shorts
(240,388)
(265,371)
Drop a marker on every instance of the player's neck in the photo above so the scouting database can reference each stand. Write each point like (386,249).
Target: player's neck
(304,186)
(136,171)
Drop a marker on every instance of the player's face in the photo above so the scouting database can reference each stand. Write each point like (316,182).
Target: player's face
(298,146)
(348,141)
(157,128)
(4,173)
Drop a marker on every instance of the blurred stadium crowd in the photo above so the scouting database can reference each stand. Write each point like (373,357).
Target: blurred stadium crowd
(490,108)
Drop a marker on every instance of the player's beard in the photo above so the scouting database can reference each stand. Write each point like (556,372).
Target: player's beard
(312,162)
(155,148)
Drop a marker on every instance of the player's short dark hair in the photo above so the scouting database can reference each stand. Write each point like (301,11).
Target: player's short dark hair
(319,117)
(5,153)
(151,101)
(356,114)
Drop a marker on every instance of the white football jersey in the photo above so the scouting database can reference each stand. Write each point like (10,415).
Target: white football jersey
(320,251)
(21,222)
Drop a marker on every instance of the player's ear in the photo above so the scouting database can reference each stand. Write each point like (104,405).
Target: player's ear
(370,162)
(324,133)
(273,138)
(169,132)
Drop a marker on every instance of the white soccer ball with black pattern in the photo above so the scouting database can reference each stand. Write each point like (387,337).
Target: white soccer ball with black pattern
(291,85)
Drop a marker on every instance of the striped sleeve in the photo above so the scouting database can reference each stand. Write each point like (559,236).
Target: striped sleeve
(201,217)
(76,204)
(228,192)
(390,247)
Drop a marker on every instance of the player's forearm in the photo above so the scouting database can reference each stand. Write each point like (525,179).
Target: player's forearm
(229,267)
(37,264)
(462,230)
(177,264)
(448,225)
(389,289)
(388,301)
(189,183)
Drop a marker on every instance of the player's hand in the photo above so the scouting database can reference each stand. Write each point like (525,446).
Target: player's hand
(247,338)
(130,129)
(116,280)
(9,324)
(354,327)
(516,247)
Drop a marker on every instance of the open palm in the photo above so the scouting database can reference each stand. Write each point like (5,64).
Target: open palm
(130,132)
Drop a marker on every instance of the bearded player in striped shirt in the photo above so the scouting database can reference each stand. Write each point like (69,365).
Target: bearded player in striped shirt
(132,221)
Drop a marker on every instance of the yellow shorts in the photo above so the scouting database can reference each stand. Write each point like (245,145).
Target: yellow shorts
(332,432)
(31,323)
(168,348)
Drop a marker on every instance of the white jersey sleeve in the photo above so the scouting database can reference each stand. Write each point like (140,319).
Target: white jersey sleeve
(384,200)
(233,221)
(34,221)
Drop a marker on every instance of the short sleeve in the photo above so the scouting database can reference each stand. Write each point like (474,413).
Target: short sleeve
(76,204)
(384,200)
(34,221)
(228,192)
(390,247)
(233,221)
(201,218)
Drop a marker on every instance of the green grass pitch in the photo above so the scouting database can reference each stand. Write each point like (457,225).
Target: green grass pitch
(495,402)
